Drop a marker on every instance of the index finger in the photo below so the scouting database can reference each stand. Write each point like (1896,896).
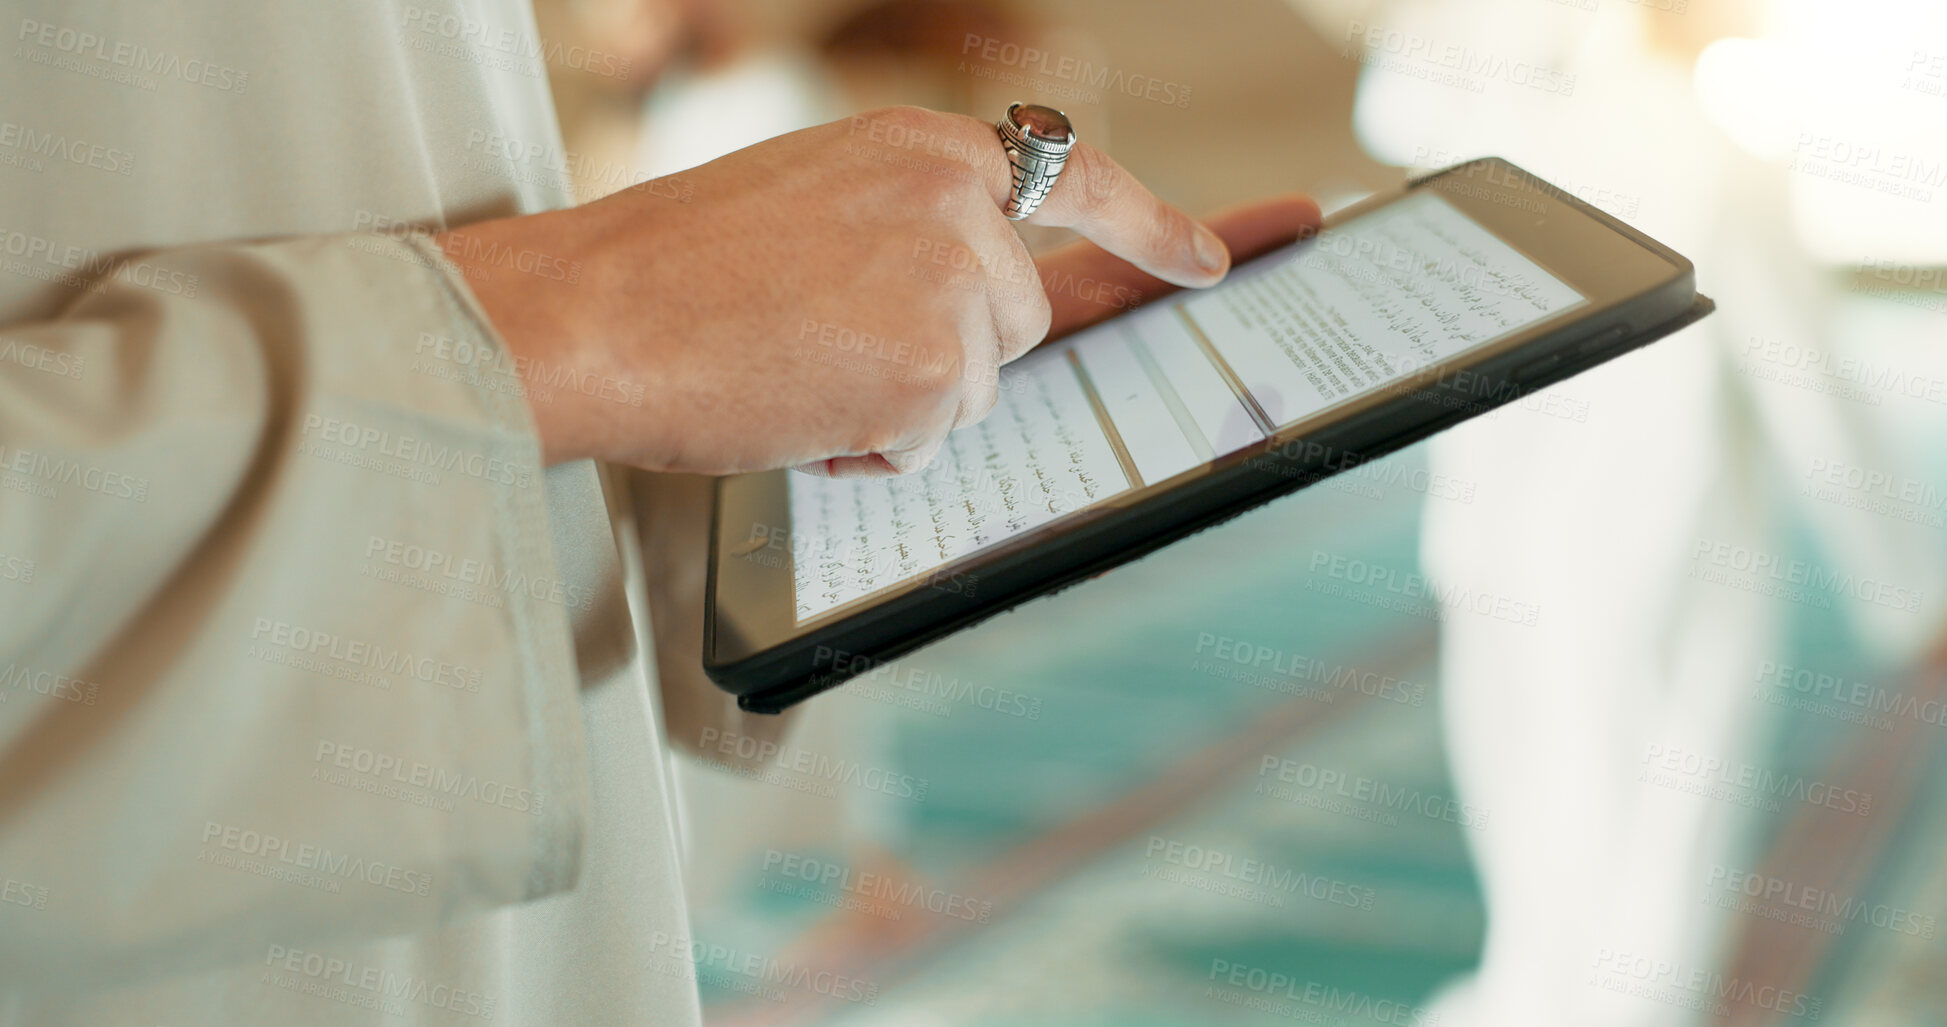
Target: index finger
(1112,286)
(1100,199)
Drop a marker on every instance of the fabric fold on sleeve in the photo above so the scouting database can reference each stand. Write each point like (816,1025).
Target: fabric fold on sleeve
(285,657)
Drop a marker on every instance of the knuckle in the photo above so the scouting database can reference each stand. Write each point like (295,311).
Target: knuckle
(936,376)
(970,138)
(1168,232)
(980,402)
(1020,330)
(891,430)
(925,377)
(936,173)
(1021,313)
(1097,188)
(917,432)
(1039,317)
(918,457)
(879,440)
(939,202)
(942,197)
(903,116)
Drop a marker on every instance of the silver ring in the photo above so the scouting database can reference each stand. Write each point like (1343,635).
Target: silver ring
(1037,140)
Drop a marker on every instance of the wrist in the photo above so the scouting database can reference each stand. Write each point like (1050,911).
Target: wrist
(527,299)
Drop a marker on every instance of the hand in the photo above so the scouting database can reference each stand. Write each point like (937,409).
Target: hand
(840,297)
(1086,283)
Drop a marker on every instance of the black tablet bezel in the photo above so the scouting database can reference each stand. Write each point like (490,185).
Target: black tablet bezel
(1636,289)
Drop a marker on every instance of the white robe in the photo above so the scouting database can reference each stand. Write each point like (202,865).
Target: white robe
(1603,503)
(320,700)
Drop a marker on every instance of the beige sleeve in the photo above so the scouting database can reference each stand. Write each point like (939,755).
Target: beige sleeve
(284,656)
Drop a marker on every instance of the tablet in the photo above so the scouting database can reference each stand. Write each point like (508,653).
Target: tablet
(1408,313)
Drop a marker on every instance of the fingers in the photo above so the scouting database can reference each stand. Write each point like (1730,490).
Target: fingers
(1083,284)
(871,465)
(909,460)
(1086,283)
(1138,246)
(984,347)
(970,383)
(877,465)
(1098,198)
(1018,304)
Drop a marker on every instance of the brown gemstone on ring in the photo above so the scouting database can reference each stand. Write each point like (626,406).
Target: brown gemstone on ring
(1044,123)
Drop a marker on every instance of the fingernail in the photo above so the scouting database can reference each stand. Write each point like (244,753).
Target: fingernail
(1210,250)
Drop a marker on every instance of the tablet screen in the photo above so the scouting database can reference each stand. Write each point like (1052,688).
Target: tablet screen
(1173,385)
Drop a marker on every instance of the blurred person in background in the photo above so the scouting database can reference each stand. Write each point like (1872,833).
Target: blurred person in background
(335,621)
(1624,505)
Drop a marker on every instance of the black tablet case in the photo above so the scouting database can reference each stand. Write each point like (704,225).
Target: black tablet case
(777,698)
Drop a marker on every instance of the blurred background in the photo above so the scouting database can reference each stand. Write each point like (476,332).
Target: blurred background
(1254,778)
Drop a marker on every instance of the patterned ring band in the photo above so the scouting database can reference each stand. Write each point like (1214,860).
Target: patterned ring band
(1037,140)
